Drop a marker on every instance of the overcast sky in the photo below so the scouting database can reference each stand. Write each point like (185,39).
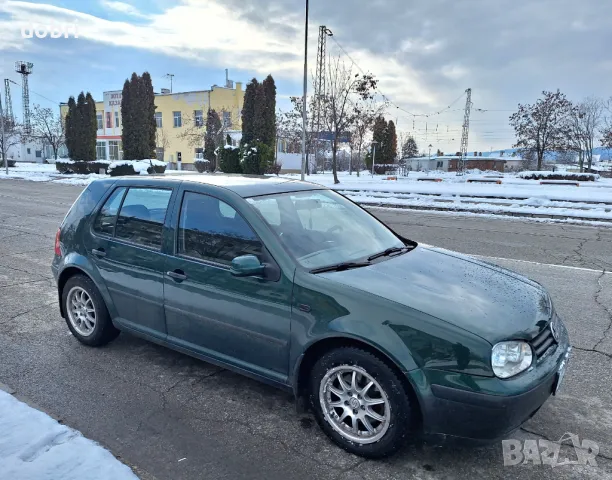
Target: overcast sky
(425,53)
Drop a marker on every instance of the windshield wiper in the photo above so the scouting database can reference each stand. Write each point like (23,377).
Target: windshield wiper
(389,251)
(340,267)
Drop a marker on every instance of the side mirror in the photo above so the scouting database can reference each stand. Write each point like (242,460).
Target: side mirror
(247,266)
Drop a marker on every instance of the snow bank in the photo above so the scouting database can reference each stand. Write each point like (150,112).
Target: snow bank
(34,446)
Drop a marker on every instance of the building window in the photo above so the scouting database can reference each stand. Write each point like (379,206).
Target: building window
(158,119)
(113,150)
(109,120)
(159,153)
(199,153)
(100,121)
(100,150)
(29,151)
(178,119)
(227,119)
(38,153)
(116,119)
(197,116)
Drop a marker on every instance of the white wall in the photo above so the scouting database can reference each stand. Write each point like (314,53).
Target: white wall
(290,161)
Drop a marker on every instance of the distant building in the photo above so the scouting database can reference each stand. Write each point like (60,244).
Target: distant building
(175,113)
(450,163)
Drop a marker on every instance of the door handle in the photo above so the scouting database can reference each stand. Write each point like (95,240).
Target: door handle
(99,252)
(177,275)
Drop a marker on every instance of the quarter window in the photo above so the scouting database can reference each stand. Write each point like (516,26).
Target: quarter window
(105,221)
(212,230)
(142,216)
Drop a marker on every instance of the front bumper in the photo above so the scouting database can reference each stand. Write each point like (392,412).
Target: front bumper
(478,414)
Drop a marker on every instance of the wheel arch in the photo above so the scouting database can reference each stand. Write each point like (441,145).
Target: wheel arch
(320,347)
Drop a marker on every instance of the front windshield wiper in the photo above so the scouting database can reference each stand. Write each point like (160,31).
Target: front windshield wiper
(389,251)
(340,267)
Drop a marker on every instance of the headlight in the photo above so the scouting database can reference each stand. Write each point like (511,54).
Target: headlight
(510,358)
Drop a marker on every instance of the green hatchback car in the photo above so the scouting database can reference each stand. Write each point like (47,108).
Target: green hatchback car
(295,285)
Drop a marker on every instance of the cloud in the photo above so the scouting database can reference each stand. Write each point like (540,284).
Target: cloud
(123,7)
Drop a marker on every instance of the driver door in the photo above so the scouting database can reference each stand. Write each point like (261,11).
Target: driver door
(243,321)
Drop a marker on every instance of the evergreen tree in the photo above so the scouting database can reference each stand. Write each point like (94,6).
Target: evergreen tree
(213,127)
(410,149)
(248,112)
(80,129)
(148,119)
(259,119)
(90,128)
(128,133)
(389,150)
(70,122)
(268,134)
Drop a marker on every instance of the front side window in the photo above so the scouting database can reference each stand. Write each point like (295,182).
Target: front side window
(212,230)
(178,120)
(198,119)
(321,228)
(158,119)
(105,221)
(142,216)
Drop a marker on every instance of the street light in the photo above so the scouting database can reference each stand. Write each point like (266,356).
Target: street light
(430,147)
(374,143)
(304,121)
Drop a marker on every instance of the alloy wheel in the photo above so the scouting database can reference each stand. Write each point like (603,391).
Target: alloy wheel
(81,311)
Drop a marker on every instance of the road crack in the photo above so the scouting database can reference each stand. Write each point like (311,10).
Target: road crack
(605,308)
(544,437)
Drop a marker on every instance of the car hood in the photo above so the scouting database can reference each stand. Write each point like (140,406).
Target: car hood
(484,299)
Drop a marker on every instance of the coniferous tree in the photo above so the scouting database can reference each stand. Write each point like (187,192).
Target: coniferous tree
(390,145)
(268,134)
(70,128)
(80,128)
(127,116)
(410,149)
(148,119)
(379,136)
(90,128)
(248,112)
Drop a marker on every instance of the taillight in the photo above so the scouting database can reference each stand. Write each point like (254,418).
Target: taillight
(58,250)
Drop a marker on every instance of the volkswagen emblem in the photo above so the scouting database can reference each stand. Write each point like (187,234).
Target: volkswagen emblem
(554,329)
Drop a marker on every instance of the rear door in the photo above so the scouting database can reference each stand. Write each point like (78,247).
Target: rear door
(242,321)
(127,248)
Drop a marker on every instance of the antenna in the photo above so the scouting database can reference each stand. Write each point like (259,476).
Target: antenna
(25,69)
(10,117)
(171,77)
(466,132)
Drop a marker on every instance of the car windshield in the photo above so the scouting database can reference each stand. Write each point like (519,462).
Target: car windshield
(322,228)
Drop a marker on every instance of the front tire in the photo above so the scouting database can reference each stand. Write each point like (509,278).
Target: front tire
(360,403)
(86,313)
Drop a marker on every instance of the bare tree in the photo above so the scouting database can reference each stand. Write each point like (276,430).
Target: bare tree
(364,114)
(47,129)
(13,136)
(162,140)
(341,84)
(194,129)
(586,118)
(606,131)
(544,126)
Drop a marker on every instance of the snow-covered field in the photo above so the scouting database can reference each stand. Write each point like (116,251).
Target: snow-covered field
(33,446)
(590,202)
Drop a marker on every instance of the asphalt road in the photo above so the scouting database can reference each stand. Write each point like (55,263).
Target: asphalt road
(169,416)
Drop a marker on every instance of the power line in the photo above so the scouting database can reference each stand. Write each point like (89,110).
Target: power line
(35,93)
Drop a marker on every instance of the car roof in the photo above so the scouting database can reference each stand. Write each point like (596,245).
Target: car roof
(243,185)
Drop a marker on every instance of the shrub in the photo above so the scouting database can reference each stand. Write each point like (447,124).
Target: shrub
(382,168)
(122,169)
(576,177)
(229,159)
(274,169)
(156,169)
(11,163)
(257,159)
(202,165)
(81,167)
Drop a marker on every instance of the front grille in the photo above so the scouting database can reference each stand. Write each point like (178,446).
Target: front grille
(543,341)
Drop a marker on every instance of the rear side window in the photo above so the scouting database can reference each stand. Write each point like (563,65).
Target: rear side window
(212,230)
(142,216)
(105,222)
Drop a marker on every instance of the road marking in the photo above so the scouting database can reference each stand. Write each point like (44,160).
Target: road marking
(542,264)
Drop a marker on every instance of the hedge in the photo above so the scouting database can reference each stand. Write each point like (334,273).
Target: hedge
(136,167)
(577,177)
(202,165)
(11,163)
(80,167)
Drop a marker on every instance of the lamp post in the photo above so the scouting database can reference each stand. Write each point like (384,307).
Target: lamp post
(304,121)
(374,143)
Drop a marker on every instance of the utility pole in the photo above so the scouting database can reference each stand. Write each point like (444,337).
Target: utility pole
(373,156)
(466,132)
(25,69)
(10,117)
(3,153)
(304,102)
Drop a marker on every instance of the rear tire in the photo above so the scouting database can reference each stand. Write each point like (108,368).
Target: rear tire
(86,313)
(360,403)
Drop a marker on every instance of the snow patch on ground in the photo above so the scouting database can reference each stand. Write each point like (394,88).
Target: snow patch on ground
(33,446)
